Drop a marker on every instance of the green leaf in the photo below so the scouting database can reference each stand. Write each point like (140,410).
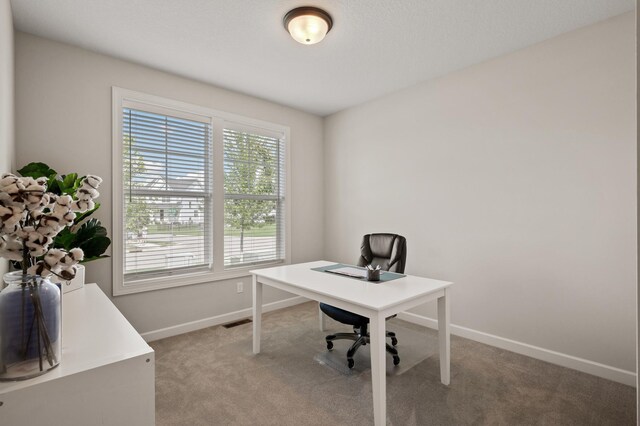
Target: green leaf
(54,186)
(91,228)
(90,259)
(36,170)
(91,237)
(96,246)
(82,216)
(68,183)
(65,239)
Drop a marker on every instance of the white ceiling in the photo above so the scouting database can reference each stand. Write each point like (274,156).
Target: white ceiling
(375,47)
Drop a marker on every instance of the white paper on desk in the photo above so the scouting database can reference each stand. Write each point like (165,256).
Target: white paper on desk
(349,271)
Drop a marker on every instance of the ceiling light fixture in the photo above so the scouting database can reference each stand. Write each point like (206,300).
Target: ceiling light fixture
(307,25)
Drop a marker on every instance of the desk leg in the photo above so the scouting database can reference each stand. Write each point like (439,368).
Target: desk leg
(257,314)
(322,318)
(378,369)
(443,336)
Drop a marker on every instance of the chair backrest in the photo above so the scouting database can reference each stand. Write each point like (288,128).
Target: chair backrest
(387,250)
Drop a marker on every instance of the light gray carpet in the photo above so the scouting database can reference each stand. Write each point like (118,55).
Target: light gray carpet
(211,377)
(417,346)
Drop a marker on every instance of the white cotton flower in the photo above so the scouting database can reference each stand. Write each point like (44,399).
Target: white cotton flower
(37,269)
(11,249)
(82,206)
(36,238)
(10,230)
(68,273)
(64,200)
(20,183)
(40,268)
(87,193)
(5,211)
(68,217)
(46,199)
(11,215)
(62,218)
(23,233)
(14,192)
(76,254)
(50,221)
(10,244)
(37,243)
(25,181)
(73,257)
(60,210)
(49,231)
(33,194)
(11,255)
(5,199)
(36,251)
(53,257)
(92,180)
(7,179)
(10,219)
(62,215)
(6,176)
(37,214)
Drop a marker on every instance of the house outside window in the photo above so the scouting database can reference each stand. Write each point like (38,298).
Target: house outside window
(199,195)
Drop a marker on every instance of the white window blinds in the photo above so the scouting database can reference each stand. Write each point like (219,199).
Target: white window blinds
(167,193)
(199,195)
(254,186)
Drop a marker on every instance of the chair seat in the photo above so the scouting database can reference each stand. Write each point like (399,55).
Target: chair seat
(343,316)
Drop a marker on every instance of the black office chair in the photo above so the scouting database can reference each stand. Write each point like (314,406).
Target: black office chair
(390,252)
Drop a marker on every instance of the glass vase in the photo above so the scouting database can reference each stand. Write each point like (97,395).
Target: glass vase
(30,326)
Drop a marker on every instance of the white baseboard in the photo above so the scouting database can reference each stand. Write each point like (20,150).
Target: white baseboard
(564,360)
(175,330)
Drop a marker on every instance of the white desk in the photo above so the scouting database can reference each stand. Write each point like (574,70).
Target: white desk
(106,375)
(376,301)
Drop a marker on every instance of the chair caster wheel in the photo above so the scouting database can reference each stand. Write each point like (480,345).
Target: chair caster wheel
(350,363)
(394,341)
(396,360)
(329,345)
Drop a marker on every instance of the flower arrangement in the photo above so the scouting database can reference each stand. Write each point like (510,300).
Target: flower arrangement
(31,217)
(41,233)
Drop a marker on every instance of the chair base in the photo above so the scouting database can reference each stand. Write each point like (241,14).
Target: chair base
(361,337)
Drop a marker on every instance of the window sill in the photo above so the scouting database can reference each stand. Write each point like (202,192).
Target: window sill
(159,283)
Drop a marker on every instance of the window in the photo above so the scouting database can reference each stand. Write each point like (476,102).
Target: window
(166,166)
(199,195)
(253,197)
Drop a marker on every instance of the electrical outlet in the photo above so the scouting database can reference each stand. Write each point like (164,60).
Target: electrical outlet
(239,287)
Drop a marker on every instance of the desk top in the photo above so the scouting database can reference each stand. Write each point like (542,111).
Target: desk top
(370,295)
(94,334)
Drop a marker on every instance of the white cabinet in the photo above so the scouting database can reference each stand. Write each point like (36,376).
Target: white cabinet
(106,376)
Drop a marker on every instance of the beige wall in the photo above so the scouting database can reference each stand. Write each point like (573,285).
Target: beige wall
(515,179)
(6,95)
(63,117)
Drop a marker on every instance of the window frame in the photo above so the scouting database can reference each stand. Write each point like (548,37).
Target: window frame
(217,272)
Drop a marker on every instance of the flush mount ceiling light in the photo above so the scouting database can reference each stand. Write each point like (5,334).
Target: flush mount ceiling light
(307,25)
